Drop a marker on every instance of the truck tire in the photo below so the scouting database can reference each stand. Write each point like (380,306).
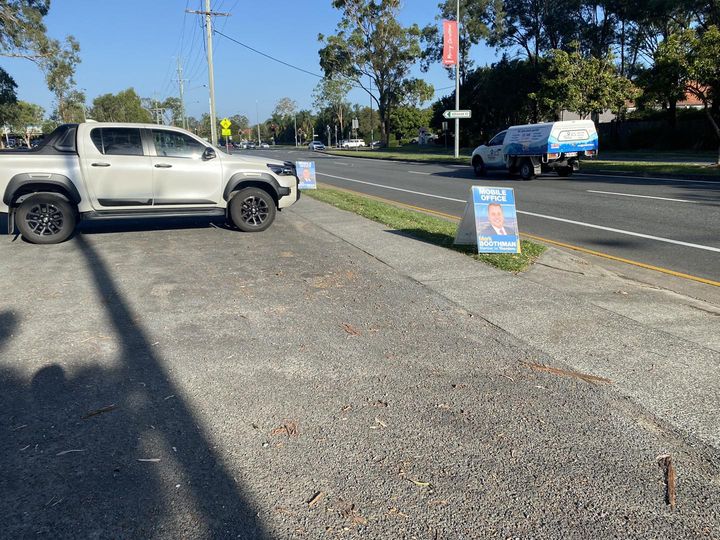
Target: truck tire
(479,167)
(252,209)
(46,219)
(565,171)
(527,171)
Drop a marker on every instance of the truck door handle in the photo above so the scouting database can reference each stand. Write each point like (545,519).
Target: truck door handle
(163,166)
(100,164)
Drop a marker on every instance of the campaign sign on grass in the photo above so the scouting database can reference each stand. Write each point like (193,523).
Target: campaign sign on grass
(490,221)
(306,174)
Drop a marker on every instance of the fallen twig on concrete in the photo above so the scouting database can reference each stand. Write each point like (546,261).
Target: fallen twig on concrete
(315,499)
(350,329)
(149,460)
(666,464)
(592,379)
(100,411)
(290,429)
(68,452)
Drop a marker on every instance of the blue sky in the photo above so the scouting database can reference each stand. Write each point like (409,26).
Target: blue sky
(136,43)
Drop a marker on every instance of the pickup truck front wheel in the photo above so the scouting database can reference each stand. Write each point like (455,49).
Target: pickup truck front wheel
(252,210)
(46,219)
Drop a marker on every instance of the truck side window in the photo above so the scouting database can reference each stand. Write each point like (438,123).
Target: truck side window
(117,141)
(174,144)
(498,139)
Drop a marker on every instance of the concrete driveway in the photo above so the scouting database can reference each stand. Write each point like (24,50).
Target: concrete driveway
(192,381)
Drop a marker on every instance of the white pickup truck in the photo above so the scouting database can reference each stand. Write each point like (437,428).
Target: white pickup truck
(109,171)
(535,148)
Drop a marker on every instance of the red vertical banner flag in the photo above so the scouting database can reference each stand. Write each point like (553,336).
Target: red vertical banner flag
(450,43)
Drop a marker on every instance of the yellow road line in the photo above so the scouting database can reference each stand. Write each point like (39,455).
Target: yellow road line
(546,240)
(623,260)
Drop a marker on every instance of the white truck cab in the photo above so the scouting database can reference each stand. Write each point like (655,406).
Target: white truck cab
(535,148)
(127,171)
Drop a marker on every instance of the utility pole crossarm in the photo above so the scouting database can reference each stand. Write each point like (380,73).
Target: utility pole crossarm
(213,13)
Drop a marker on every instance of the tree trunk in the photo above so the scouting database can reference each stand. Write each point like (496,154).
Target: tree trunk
(716,128)
(672,114)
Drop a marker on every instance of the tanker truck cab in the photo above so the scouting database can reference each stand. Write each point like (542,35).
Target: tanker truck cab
(531,149)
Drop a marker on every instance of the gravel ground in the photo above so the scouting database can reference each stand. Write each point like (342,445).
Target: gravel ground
(196,382)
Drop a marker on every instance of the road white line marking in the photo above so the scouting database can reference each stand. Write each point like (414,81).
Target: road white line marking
(342,163)
(424,173)
(543,216)
(621,231)
(393,188)
(641,196)
(598,175)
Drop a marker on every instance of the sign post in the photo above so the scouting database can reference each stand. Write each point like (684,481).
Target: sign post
(490,221)
(226,132)
(306,174)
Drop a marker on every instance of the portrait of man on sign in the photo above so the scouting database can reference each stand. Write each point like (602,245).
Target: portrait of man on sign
(496,222)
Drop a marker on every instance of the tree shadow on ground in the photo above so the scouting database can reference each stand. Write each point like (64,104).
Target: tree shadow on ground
(110,452)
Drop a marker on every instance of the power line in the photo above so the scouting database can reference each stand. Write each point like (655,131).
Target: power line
(268,56)
(291,65)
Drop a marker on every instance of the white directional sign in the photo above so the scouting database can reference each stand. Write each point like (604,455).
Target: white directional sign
(457,114)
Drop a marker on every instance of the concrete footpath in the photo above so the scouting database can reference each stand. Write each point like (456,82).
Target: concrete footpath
(666,361)
(329,378)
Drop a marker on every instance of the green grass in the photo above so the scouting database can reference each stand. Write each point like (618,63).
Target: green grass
(432,230)
(409,153)
(649,167)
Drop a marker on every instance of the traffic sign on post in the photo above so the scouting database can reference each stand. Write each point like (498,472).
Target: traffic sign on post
(225,123)
(226,132)
(457,114)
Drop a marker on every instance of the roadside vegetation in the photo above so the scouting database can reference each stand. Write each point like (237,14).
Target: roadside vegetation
(647,166)
(430,229)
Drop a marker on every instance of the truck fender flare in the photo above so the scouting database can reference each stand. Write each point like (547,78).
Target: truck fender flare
(263,180)
(49,182)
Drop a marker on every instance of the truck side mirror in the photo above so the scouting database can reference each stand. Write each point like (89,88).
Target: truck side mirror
(208,154)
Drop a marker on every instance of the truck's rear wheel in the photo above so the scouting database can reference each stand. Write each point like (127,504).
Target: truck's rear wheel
(479,166)
(252,210)
(527,170)
(46,219)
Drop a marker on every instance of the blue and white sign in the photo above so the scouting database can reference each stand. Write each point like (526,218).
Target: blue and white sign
(306,174)
(490,221)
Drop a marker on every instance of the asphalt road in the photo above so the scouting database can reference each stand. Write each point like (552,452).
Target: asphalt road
(668,223)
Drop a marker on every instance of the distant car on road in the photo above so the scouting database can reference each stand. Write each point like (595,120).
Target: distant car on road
(251,145)
(264,145)
(352,143)
(316,145)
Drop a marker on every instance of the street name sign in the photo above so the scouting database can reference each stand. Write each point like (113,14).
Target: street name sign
(457,114)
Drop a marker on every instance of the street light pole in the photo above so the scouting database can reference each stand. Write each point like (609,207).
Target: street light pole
(257,118)
(457,86)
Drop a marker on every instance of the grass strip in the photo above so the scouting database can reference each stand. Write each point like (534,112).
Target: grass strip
(650,168)
(441,155)
(430,229)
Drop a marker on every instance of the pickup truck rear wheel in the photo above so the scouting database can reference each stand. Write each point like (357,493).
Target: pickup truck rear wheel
(252,209)
(527,171)
(46,219)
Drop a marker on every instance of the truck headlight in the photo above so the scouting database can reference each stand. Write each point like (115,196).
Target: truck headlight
(286,169)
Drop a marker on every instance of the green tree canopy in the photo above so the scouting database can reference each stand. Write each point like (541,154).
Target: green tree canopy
(374,51)
(125,106)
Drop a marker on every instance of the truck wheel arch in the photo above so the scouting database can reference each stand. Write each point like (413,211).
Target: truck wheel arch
(29,183)
(262,181)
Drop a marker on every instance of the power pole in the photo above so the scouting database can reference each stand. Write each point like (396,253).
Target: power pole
(457,86)
(182,94)
(208,13)
(295,123)
(372,133)
(158,111)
